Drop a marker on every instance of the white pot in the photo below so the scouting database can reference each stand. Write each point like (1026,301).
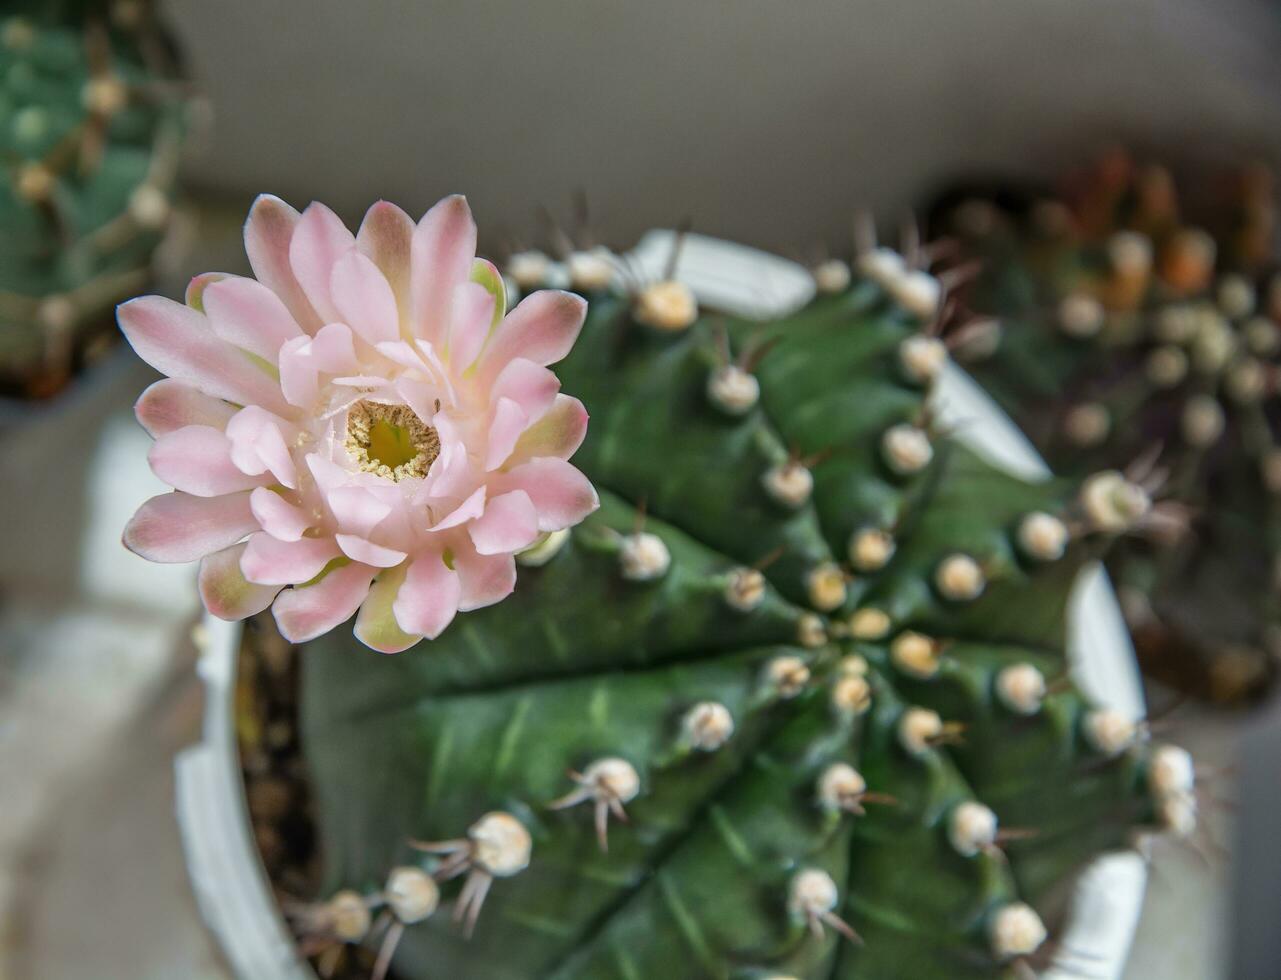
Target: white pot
(231,885)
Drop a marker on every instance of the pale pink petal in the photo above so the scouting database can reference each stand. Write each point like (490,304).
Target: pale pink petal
(304,359)
(428,598)
(472,318)
(224,589)
(438,370)
(441,254)
(168,405)
(469,509)
(278,517)
(356,509)
(404,353)
(483,579)
(178,342)
(561,494)
(542,328)
(421,396)
(364,298)
(247,314)
(319,240)
(269,561)
(195,295)
(299,377)
(509,524)
(306,611)
(326,472)
(385,236)
(400,526)
(529,385)
(451,475)
(487,275)
(177,527)
(259,445)
(196,459)
(559,433)
(332,349)
(509,422)
(359,549)
(268,231)
(376,625)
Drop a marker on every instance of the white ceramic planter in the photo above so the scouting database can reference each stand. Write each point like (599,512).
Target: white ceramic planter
(227,875)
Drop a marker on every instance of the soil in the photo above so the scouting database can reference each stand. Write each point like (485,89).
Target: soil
(278,791)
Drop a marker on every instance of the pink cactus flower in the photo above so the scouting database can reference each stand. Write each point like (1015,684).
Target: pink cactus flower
(360,429)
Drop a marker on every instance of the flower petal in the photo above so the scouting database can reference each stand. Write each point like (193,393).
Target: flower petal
(505,430)
(333,350)
(376,625)
(177,527)
(359,549)
(529,385)
(195,295)
(319,240)
(308,611)
(510,523)
(356,509)
(542,328)
(258,445)
(483,579)
(486,274)
(224,589)
(196,459)
(278,517)
(385,236)
(472,318)
(469,509)
(247,314)
(441,254)
(450,475)
(168,405)
(418,395)
(178,342)
(364,298)
(559,433)
(428,599)
(561,494)
(268,561)
(299,379)
(268,231)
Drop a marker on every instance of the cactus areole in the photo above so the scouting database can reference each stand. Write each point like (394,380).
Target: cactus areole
(684,746)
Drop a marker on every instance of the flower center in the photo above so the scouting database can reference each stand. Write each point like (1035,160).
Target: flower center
(390,440)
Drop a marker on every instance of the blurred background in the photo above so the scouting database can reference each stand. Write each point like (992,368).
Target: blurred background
(760,121)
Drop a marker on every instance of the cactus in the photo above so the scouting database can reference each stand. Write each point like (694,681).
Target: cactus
(1131,337)
(793,702)
(90,127)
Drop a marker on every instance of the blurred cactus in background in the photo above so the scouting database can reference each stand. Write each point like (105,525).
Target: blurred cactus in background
(1125,336)
(91,122)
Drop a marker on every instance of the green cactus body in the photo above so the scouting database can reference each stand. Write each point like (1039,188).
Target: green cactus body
(737,702)
(1107,359)
(90,129)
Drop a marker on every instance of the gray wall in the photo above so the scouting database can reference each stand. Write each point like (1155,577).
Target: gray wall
(765,120)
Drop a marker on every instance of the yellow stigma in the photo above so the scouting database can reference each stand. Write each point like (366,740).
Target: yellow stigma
(390,440)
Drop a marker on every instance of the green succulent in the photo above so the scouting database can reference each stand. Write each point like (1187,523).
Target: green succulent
(762,714)
(1131,336)
(91,122)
